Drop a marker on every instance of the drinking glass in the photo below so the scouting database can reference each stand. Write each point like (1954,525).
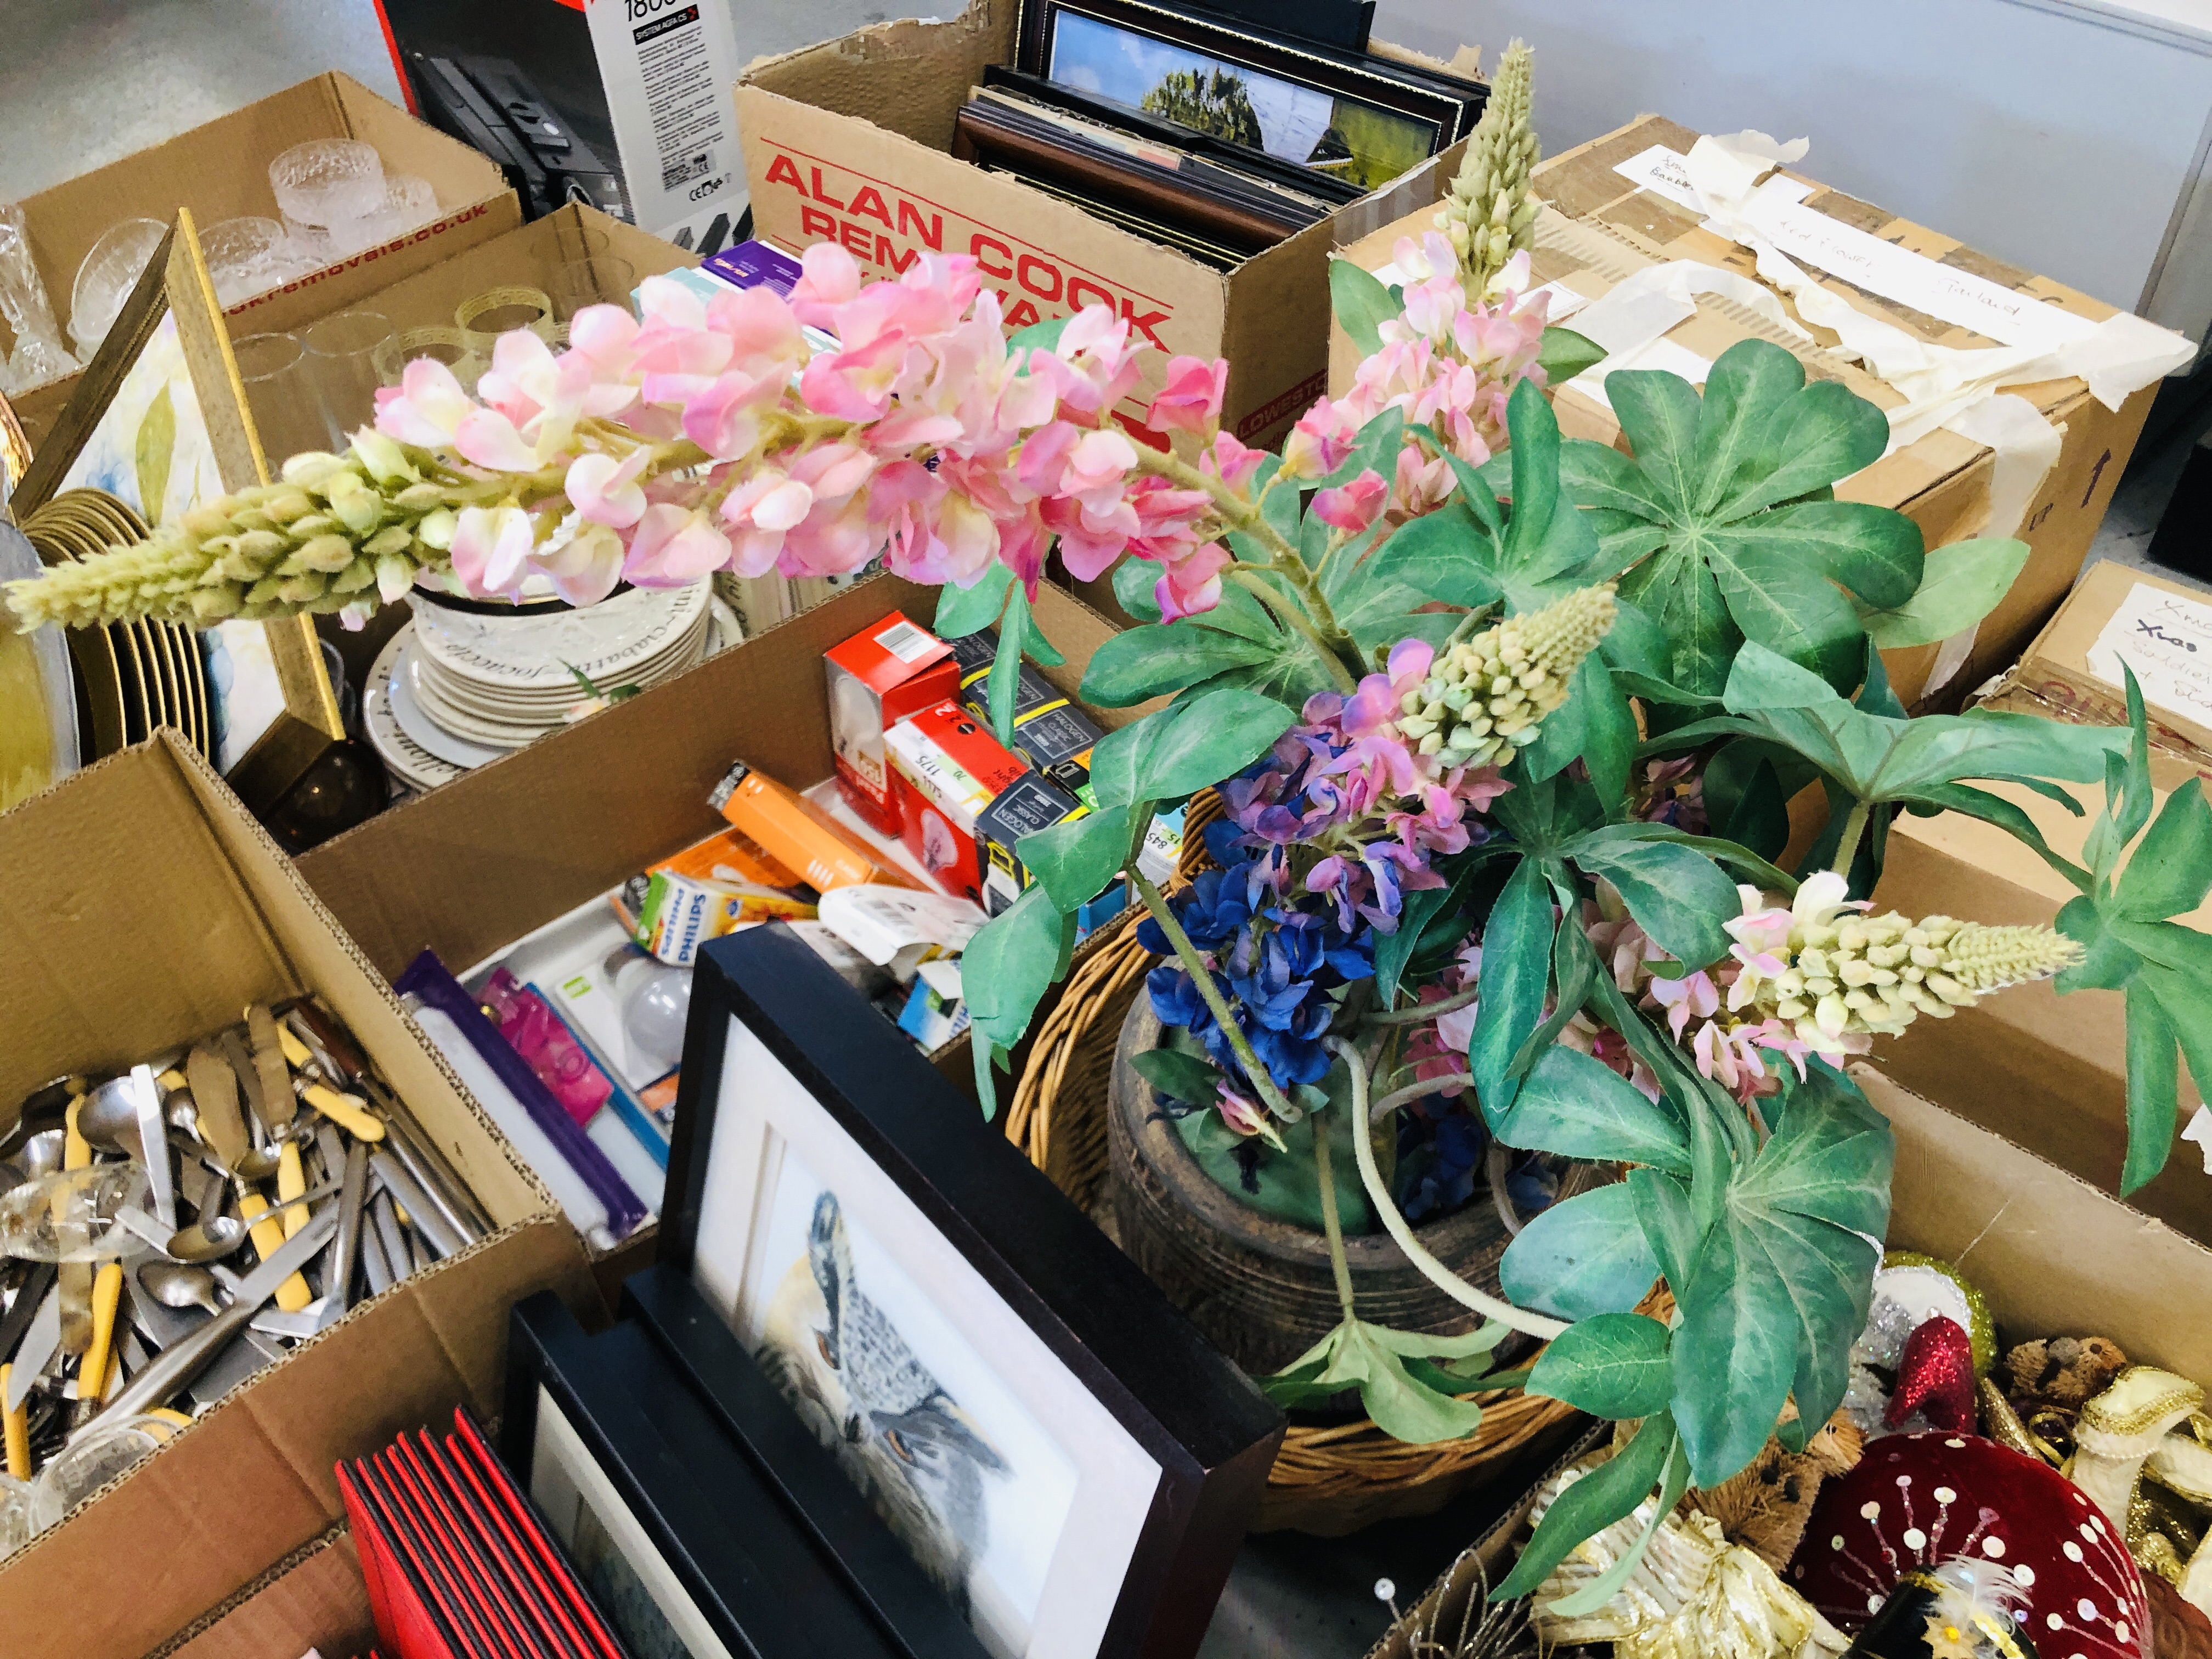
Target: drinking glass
(499,311)
(447,344)
(279,393)
(342,362)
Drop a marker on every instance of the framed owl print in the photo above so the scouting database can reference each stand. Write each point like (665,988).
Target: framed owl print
(1069,1463)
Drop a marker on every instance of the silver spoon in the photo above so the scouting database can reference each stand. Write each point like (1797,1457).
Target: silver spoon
(109,1116)
(208,1240)
(43,1152)
(179,1285)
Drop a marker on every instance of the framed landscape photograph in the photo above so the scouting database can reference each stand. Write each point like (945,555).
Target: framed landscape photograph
(1360,119)
(1071,1465)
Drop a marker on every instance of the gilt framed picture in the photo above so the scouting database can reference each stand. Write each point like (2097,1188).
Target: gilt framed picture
(158,425)
(1071,1463)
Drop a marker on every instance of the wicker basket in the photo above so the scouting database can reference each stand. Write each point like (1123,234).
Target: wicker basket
(1326,1482)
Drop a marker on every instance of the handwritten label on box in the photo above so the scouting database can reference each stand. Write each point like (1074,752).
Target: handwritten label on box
(2167,640)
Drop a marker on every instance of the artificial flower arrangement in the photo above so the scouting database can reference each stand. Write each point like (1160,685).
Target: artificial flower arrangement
(1506,726)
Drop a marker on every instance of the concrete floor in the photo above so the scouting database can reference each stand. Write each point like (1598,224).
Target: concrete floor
(84,83)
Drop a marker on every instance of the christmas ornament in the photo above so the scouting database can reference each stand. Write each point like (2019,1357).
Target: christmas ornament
(1916,1500)
(1960,1609)
(1935,1378)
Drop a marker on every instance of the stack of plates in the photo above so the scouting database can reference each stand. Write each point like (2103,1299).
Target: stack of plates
(448,694)
(130,677)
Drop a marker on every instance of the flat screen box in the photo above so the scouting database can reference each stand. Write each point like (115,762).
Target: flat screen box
(849,142)
(1608,228)
(146,910)
(219,170)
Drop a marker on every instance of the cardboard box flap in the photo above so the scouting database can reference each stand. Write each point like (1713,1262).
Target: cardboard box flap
(938,60)
(315,1600)
(2055,1256)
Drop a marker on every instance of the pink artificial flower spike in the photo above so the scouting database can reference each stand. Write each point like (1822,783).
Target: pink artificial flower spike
(1355,505)
(1190,400)
(490,544)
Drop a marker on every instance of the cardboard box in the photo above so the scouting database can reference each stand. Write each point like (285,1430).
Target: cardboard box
(1605,228)
(2160,628)
(890,670)
(848,142)
(2048,1070)
(111,955)
(315,1600)
(2054,1256)
(429,290)
(468,869)
(219,170)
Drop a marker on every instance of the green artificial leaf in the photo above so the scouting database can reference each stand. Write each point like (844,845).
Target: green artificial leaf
(1609,1365)
(153,452)
(964,610)
(1677,895)
(1283,1181)
(1608,1493)
(1196,741)
(1881,759)
(1663,1209)
(1136,582)
(1076,860)
(1962,583)
(1724,519)
(1160,660)
(1781,1285)
(2171,872)
(1516,961)
(1582,1256)
(1674,1481)
(1018,636)
(1177,1075)
(1362,304)
(1042,336)
(1579,1107)
(1374,1359)
(1005,970)
(2153,1087)
(1562,354)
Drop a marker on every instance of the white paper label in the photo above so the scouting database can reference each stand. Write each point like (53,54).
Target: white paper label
(2167,640)
(1660,170)
(669,67)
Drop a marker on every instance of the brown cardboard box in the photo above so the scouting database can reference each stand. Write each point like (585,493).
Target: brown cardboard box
(147,909)
(315,1600)
(429,293)
(2164,624)
(467,869)
(1604,229)
(2054,1256)
(2048,1070)
(848,142)
(220,170)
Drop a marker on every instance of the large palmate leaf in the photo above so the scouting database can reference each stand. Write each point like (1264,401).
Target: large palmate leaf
(1582,1257)
(1724,521)
(1472,551)
(2124,919)
(1884,761)
(1961,584)
(1196,741)
(1781,1282)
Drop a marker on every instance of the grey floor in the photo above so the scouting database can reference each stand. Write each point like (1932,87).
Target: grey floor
(83,82)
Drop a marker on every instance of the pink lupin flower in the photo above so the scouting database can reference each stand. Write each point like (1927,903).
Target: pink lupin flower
(1355,505)
(1320,442)
(674,546)
(427,407)
(605,490)
(583,558)
(491,548)
(1190,400)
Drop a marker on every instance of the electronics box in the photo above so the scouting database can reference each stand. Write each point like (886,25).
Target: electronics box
(108,967)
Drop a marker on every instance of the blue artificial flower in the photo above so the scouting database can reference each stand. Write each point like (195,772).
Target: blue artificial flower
(1175,998)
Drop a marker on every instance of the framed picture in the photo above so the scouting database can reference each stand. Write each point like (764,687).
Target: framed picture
(686,1551)
(1362,119)
(160,422)
(1069,1461)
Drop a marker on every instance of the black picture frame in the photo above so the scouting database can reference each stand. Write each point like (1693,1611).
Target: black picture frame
(1204,1425)
(761,1582)
(1449,106)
